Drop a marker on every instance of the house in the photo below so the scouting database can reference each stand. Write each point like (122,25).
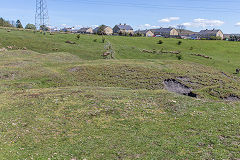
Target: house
(146,33)
(107,30)
(184,32)
(85,30)
(123,28)
(53,29)
(165,32)
(208,34)
(72,30)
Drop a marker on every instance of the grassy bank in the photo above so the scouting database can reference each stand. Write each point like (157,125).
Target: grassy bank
(70,103)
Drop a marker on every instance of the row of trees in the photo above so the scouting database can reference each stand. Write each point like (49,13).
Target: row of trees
(18,24)
(234,38)
(4,23)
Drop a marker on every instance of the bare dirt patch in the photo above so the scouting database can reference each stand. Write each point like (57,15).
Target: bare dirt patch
(232,97)
(173,85)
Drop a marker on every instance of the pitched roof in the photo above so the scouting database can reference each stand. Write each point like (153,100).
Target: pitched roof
(142,31)
(162,30)
(124,27)
(185,32)
(83,29)
(209,32)
(97,28)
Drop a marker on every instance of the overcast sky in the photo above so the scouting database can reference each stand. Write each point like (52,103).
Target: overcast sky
(141,14)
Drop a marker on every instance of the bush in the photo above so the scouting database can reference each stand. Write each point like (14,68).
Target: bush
(215,38)
(5,23)
(95,40)
(179,56)
(179,43)
(191,48)
(30,26)
(19,24)
(78,36)
(138,34)
(103,39)
(160,42)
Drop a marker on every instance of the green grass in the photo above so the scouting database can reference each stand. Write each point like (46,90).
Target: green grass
(225,54)
(72,104)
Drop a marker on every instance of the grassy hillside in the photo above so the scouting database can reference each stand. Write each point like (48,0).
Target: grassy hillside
(226,55)
(72,104)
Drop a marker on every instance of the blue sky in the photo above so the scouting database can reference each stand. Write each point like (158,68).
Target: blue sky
(194,14)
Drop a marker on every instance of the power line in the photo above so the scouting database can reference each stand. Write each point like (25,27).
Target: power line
(157,6)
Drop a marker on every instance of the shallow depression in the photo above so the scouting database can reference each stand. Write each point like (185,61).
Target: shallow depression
(173,85)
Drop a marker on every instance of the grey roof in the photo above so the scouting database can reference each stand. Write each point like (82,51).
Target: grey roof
(97,28)
(162,30)
(124,27)
(209,32)
(142,31)
(83,29)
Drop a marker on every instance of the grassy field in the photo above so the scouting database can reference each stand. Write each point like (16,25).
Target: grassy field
(70,103)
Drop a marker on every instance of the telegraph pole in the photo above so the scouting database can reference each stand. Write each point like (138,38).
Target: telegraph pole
(41,15)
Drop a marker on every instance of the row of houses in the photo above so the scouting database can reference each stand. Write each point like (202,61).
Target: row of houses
(123,29)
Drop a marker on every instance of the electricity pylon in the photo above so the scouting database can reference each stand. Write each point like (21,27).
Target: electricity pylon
(41,16)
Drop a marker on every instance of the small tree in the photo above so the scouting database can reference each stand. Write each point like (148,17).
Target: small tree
(179,43)
(160,42)
(78,36)
(19,24)
(5,23)
(101,30)
(30,26)
(44,28)
(179,56)
(103,39)
(181,28)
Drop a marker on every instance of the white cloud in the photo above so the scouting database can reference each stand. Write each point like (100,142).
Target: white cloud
(167,20)
(146,26)
(237,24)
(199,22)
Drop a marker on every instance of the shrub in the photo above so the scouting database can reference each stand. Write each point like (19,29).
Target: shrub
(101,30)
(138,34)
(191,48)
(160,42)
(30,26)
(44,28)
(78,36)
(179,43)
(5,23)
(19,24)
(95,40)
(103,39)
(179,56)
(215,38)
